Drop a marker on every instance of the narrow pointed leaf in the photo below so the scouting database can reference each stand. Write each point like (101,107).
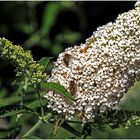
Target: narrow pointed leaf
(14,109)
(58,88)
(36,104)
(10,100)
(33,137)
(49,16)
(44,62)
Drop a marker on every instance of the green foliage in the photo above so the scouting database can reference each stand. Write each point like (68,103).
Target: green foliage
(58,88)
(36,104)
(49,17)
(10,132)
(25,28)
(14,109)
(10,100)
(48,21)
(44,62)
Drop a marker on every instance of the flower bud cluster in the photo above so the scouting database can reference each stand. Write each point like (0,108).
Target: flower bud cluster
(99,72)
(23,61)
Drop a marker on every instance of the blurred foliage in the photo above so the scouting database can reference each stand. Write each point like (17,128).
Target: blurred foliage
(47,28)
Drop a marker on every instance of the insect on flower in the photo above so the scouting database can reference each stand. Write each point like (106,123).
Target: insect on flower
(66,59)
(72,87)
(86,47)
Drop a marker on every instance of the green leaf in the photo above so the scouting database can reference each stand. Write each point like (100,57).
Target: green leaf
(36,104)
(49,16)
(10,100)
(44,62)
(14,109)
(25,28)
(33,137)
(58,88)
(9,133)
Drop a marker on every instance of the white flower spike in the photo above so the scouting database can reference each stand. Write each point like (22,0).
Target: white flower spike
(99,72)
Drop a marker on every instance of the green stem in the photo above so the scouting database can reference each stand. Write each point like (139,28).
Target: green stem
(38,94)
(33,129)
(21,103)
(37,125)
(42,110)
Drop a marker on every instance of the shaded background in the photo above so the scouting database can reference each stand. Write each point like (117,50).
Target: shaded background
(47,28)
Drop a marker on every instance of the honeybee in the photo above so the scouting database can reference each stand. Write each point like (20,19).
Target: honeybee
(72,87)
(66,59)
(84,50)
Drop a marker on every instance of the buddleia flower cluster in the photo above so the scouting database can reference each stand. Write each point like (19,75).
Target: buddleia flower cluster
(23,60)
(99,72)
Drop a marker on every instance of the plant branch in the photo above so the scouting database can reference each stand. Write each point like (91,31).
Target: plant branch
(33,129)
(38,94)
(37,125)
(67,127)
